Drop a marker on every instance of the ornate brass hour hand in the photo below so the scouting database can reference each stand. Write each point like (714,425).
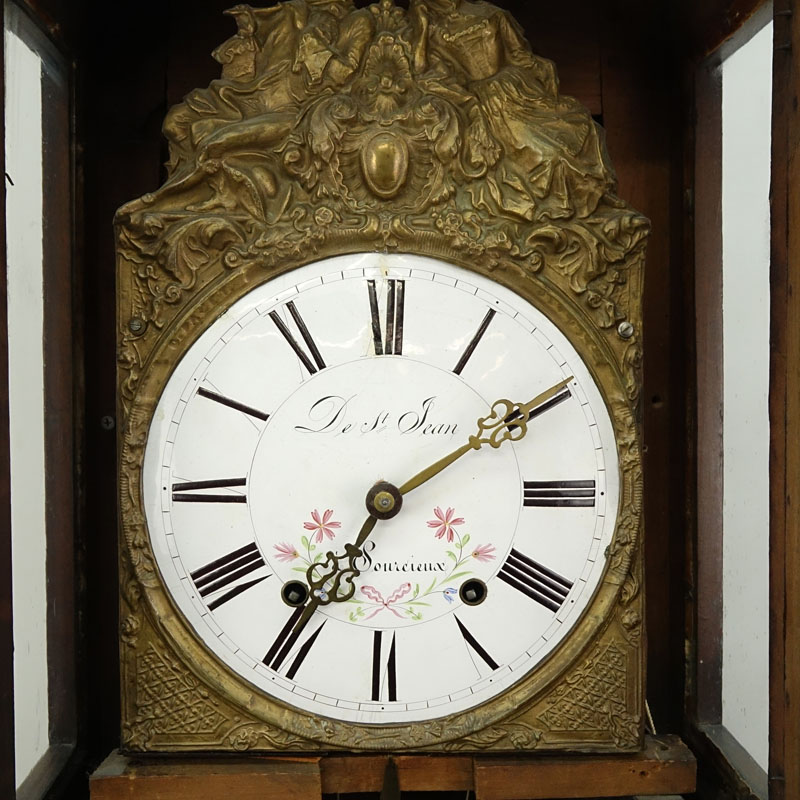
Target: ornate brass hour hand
(331,580)
(507,422)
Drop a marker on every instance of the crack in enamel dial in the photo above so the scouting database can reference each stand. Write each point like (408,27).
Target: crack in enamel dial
(344,373)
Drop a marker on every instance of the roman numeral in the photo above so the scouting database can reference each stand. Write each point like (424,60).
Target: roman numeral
(532,579)
(303,652)
(183,492)
(475,645)
(222,572)
(546,406)
(285,642)
(474,341)
(226,401)
(293,343)
(377,668)
(559,494)
(392,343)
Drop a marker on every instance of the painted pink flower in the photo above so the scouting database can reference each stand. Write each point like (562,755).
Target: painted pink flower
(322,526)
(444,523)
(286,552)
(484,552)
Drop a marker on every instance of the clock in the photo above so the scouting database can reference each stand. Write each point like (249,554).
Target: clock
(361,370)
(380,477)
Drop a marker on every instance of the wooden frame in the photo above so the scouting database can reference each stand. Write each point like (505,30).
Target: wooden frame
(60,434)
(614,61)
(665,765)
(784,772)
(723,760)
(708,310)
(7,776)
(132,153)
(709,373)
(60,388)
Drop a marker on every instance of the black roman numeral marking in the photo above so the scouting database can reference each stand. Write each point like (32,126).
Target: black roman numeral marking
(391,673)
(475,645)
(391,668)
(376,656)
(546,406)
(184,492)
(226,401)
(303,652)
(377,337)
(392,342)
(284,641)
(395,307)
(293,343)
(224,571)
(532,579)
(474,341)
(559,494)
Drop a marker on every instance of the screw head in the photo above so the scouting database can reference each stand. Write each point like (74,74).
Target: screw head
(107,422)
(625,329)
(135,325)
(384,500)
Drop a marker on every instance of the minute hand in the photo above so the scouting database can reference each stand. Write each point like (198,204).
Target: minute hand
(507,422)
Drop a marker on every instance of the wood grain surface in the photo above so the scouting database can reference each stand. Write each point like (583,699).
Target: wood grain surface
(666,766)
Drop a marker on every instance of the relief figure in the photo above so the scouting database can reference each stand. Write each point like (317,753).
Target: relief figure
(281,58)
(473,53)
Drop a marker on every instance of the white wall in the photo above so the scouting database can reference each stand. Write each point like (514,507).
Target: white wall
(26,395)
(746,92)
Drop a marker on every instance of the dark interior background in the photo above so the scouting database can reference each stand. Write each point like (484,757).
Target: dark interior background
(627,61)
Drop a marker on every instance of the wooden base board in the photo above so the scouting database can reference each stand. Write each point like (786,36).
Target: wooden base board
(665,766)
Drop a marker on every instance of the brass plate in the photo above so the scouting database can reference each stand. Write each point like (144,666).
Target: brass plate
(335,130)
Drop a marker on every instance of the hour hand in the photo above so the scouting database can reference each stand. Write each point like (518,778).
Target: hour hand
(331,581)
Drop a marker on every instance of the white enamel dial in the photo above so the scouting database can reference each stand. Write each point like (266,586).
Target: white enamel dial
(304,394)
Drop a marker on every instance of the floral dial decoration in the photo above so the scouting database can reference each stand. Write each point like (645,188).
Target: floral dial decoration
(407,600)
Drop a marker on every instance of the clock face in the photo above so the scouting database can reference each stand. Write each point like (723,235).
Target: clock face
(364,368)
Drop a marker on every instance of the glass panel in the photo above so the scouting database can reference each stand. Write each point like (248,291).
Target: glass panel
(23,119)
(746,141)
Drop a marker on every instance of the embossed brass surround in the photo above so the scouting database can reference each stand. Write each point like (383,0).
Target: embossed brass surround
(336,130)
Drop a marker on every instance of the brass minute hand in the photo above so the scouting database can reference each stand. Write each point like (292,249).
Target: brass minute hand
(507,422)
